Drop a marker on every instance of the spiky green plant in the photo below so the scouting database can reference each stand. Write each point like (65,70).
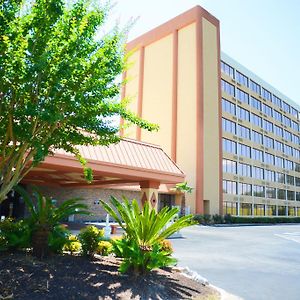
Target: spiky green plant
(144,229)
(44,217)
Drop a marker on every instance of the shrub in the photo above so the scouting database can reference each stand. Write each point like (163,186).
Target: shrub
(141,259)
(72,245)
(203,219)
(166,246)
(144,230)
(104,248)
(217,219)
(89,237)
(58,237)
(14,235)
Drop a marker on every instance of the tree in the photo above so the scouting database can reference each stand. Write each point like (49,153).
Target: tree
(58,86)
(183,188)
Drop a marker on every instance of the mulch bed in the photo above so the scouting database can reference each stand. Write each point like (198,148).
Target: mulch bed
(73,277)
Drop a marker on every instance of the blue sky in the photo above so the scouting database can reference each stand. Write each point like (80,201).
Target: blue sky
(262,35)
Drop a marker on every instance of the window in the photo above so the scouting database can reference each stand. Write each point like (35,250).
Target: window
(256,120)
(281,194)
(267,109)
(287,135)
(243,132)
(245,189)
(269,158)
(295,139)
(286,121)
(290,195)
(257,173)
(268,126)
(280,178)
(228,107)
(298,199)
(257,137)
(242,79)
(257,154)
(271,210)
(229,126)
(244,170)
(285,107)
(278,146)
(230,208)
(277,115)
(227,69)
(243,114)
(279,162)
(296,153)
(229,146)
(297,167)
(278,131)
(244,150)
(291,211)
(271,193)
(255,87)
(276,101)
(290,179)
(268,142)
(242,96)
(229,166)
(281,210)
(295,126)
(229,187)
(289,164)
(258,191)
(266,94)
(259,210)
(269,175)
(294,112)
(245,209)
(227,87)
(297,181)
(288,150)
(255,103)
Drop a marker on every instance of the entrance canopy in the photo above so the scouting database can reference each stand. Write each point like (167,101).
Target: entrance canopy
(129,162)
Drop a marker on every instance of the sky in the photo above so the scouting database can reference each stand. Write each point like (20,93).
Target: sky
(262,35)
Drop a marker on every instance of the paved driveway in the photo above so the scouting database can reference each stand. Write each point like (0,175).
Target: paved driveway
(253,262)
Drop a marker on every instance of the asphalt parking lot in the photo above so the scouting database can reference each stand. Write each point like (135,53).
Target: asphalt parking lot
(253,262)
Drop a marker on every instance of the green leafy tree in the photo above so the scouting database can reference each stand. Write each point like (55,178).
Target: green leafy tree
(58,86)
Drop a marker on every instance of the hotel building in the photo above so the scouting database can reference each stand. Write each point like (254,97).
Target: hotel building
(235,136)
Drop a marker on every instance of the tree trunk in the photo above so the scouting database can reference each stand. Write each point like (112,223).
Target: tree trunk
(39,242)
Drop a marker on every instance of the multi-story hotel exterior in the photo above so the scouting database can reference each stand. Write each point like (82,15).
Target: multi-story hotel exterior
(235,136)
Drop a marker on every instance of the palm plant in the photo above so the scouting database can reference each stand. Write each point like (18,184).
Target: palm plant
(144,231)
(44,217)
(183,188)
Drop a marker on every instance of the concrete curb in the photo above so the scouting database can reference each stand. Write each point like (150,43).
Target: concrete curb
(186,271)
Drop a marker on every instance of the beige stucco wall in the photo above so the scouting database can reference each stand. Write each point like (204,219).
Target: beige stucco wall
(157,91)
(211,117)
(132,87)
(186,107)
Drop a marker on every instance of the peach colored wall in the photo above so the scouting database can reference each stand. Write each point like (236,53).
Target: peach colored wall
(186,101)
(132,87)
(157,91)
(211,116)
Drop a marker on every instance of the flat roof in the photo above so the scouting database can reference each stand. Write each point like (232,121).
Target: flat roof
(226,58)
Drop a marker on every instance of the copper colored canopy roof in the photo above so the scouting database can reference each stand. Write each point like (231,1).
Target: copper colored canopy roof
(127,162)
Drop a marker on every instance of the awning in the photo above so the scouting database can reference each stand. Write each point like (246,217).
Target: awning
(128,162)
